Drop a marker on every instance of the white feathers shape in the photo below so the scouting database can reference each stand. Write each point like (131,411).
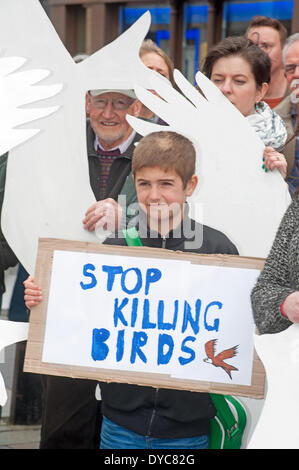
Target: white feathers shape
(10,333)
(47,189)
(277,427)
(236,196)
(16,89)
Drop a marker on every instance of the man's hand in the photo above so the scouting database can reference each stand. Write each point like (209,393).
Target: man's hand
(274,159)
(291,307)
(106,214)
(33,293)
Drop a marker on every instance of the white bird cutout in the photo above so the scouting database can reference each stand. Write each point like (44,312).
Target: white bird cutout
(47,184)
(277,427)
(10,333)
(16,89)
(234,195)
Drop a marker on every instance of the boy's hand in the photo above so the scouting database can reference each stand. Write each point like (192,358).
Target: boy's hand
(274,159)
(33,293)
(106,214)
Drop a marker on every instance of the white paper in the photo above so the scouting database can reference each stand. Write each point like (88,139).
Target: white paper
(73,313)
(225,315)
(89,305)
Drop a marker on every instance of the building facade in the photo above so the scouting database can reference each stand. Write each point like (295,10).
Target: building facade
(185,29)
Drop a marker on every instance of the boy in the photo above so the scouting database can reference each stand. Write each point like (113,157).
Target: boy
(163,168)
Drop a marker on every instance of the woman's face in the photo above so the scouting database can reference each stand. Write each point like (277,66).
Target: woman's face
(155,62)
(234,77)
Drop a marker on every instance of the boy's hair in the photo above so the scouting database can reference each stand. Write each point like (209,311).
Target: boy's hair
(258,21)
(258,60)
(167,150)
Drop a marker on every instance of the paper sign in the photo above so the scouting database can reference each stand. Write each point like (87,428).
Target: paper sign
(145,314)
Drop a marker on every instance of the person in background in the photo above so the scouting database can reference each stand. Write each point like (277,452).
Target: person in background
(155,59)
(241,70)
(288,110)
(275,297)
(270,35)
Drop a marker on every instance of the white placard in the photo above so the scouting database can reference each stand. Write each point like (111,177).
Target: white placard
(136,314)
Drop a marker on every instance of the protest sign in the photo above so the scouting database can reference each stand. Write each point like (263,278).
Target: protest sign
(146,316)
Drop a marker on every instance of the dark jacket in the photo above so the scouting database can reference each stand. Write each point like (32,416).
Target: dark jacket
(165,413)
(120,179)
(7,257)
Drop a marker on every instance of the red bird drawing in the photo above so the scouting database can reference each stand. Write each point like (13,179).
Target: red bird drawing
(218,361)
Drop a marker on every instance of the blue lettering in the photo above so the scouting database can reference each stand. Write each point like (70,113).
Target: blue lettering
(120,345)
(99,350)
(146,324)
(165,340)
(139,340)
(194,323)
(112,271)
(118,315)
(152,275)
(215,326)
(161,324)
(186,349)
(134,311)
(93,281)
(138,281)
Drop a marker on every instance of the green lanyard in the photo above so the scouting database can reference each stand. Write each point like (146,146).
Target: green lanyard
(132,237)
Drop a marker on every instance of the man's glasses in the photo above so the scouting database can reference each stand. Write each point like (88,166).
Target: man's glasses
(117,103)
(290,68)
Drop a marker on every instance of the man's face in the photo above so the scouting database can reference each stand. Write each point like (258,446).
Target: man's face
(268,40)
(292,72)
(107,114)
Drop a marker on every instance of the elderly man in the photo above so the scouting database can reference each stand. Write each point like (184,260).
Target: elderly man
(288,109)
(110,145)
(71,415)
(270,35)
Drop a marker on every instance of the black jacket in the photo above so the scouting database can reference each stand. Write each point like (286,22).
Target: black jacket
(7,257)
(165,413)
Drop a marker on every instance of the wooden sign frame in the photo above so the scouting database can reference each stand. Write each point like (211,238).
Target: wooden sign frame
(33,357)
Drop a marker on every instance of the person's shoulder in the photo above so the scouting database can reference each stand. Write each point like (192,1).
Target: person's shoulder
(215,241)
(283,109)
(115,239)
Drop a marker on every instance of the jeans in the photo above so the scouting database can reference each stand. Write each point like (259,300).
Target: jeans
(114,436)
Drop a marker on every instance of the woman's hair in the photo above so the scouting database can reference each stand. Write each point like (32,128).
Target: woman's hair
(167,150)
(240,46)
(148,46)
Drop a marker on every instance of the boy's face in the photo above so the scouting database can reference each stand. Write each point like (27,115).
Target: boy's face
(161,195)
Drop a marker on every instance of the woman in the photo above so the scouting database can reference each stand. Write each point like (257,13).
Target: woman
(241,70)
(275,298)
(155,59)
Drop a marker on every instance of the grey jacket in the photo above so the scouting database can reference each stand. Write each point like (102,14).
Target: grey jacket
(280,276)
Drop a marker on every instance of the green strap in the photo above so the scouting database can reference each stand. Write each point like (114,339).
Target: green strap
(132,237)
(225,414)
